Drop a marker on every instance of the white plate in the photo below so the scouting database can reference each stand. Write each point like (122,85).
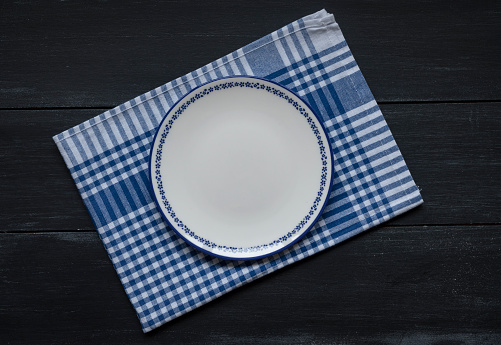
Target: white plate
(241,168)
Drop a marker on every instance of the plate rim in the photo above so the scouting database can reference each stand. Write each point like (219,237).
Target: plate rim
(243,258)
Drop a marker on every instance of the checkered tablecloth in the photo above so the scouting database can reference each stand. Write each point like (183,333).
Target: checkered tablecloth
(108,159)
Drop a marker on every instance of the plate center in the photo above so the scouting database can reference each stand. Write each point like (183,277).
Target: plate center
(241,162)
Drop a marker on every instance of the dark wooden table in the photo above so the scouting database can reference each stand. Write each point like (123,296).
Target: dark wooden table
(431,276)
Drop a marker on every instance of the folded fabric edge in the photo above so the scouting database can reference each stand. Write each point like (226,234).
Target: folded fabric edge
(317,19)
(329,19)
(292,259)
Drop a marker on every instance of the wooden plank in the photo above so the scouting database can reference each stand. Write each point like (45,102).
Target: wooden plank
(37,191)
(100,54)
(411,285)
(452,151)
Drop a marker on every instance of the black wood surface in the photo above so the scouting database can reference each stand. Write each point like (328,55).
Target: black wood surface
(357,291)
(430,276)
(100,54)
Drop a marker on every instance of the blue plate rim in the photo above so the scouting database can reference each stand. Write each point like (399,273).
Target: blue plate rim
(305,231)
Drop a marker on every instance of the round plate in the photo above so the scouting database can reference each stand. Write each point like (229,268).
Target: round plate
(241,168)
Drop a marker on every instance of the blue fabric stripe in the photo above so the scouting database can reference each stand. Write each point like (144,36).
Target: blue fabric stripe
(307,39)
(305,61)
(78,147)
(216,70)
(298,46)
(165,93)
(283,43)
(176,89)
(122,149)
(241,68)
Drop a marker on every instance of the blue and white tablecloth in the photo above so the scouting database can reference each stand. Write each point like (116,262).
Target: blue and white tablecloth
(108,159)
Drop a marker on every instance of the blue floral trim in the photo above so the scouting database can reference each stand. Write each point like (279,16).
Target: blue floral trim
(228,85)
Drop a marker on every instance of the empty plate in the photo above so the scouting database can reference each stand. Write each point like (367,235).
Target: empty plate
(241,168)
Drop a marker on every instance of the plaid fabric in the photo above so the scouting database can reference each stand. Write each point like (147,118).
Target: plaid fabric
(108,159)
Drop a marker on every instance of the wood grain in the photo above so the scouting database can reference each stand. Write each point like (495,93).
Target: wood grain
(101,54)
(442,144)
(62,288)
